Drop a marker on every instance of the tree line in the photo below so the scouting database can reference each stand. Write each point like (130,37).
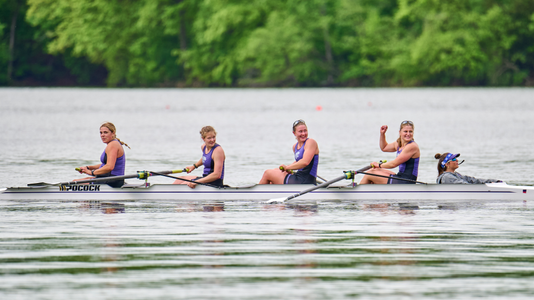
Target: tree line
(244,43)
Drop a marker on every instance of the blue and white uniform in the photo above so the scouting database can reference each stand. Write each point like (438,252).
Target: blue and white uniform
(407,170)
(306,175)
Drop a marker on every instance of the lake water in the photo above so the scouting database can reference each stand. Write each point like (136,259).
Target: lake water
(150,250)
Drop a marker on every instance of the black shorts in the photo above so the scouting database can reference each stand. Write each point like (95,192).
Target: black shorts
(303,179)
(111,183)
(393,179)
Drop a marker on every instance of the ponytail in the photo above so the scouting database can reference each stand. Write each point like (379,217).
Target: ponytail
(441,157)
(123,143)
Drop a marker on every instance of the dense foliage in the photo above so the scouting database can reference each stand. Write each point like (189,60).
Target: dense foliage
(267,42)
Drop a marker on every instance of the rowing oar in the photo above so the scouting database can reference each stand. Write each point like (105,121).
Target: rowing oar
(143,175)
(396,178)
(179,178)
(346,175)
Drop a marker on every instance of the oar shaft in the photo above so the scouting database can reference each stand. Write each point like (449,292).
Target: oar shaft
(317,187)
(344,176)
(187,180)
(396,178)
(139,175)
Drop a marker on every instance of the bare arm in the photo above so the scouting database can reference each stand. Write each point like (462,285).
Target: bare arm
(218,159)
(310,150)
(384,146)
(197,164)
(88,169)
(112,152)
(285,167)
(409,151)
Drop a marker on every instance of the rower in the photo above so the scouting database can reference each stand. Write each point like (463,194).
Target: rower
(212,159)
(306,153)
(447,165)
(407,158)
(113,159)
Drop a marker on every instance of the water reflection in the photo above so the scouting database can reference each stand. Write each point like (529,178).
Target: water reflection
(304,209)
(89,205)
(213,207)
(199,206)
(212,255)
(189,207)
(111,247)
(299,250)
(104,207)
(400,208)
(113,208)
(273,206)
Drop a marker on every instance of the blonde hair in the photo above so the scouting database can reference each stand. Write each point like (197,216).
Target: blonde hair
(113,129)
(205,130)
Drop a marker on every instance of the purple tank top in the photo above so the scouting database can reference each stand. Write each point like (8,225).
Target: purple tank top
(409,167)
(311,168)
(120,163)
(208,162)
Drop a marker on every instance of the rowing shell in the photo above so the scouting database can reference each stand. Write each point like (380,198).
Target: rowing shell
(360,193)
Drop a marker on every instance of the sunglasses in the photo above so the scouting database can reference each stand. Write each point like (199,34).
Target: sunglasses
(297,122)
(446,160)
(407,122)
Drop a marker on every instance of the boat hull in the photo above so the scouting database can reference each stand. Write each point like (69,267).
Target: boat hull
(361,193)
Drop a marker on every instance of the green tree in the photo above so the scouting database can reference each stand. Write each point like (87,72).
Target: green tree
(293,46)
(368,42)
(4,55)
(271,42)
(431,42)
(9,18)
(128,37)
(220,29)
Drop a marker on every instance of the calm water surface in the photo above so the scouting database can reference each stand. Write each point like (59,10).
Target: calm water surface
(148,250)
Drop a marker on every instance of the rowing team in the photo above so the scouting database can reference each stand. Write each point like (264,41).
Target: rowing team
(306,151)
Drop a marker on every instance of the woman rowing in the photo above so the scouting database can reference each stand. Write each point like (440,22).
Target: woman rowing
(407,158)
(306,161)
(113,159)
(447,165)
(212,158)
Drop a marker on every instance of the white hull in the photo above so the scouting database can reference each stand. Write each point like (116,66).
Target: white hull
(361,193)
